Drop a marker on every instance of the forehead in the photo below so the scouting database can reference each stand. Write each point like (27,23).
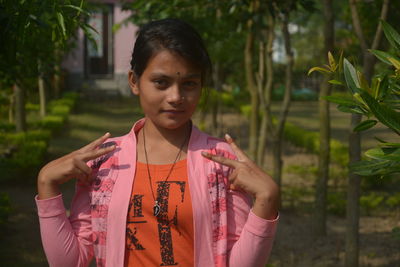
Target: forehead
(170,63)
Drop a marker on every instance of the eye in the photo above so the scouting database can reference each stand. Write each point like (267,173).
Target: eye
(160,83)
(191,84)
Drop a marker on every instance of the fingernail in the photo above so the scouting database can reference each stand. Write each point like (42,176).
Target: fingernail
(228,137)
(206,154)
(107,133)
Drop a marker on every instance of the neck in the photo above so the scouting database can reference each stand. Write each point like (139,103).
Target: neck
(162,145)
(158,135)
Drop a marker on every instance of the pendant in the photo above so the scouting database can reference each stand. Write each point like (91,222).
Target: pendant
(156,209)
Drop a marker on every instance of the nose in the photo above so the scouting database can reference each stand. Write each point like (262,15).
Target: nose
(174,95)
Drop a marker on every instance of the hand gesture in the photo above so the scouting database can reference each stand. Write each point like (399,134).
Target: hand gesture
(72,165)
(247,176)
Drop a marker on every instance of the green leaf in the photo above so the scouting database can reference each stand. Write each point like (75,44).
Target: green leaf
(363,81)
(387,144)
(368,167)
(340,100)
(391,34)
(383,113)
(79,9)
(382,56)
(319,69)
(60,19)
(365,125)
(394,62)
(332,62)
(335,82)
(389,154)
(351,109)
(351,77)
(375,153)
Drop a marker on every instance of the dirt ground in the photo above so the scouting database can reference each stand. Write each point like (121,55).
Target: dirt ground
(294,245)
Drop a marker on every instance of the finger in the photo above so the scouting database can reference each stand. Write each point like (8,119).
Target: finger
(224,161)
(96,143)
(79,174)
(94,154)
(239,153)
(83,179)
(81,165)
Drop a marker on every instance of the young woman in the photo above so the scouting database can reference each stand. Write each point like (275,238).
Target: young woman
(164,194)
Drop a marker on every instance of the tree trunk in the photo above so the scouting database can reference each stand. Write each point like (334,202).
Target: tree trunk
(260,87)
(216,127)
(277,161)
(20,118)
(57,75)
(42,90)
(266,91)
(250,84)
(353,195)
(11,108)
(286,101)
(353,189)
(323,161)
(325,128)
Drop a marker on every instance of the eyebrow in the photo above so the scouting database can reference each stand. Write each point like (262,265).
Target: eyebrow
(188,76)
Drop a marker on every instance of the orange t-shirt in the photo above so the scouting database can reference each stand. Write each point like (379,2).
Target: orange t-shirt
(165,240)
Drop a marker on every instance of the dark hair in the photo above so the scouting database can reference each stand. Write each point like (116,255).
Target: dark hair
(174,35)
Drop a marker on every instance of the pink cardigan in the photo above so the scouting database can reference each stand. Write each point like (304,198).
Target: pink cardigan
(226,231)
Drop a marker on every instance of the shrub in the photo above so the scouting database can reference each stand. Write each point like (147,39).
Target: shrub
(6,126)
(25,151)
(370,202)
(60,110)
(30,154)
(393,201)
(28,150)
(336,203)
(32,107)
(245,110)
(29,136)
(52,122)
(5,208)
(396,233)
(72,96)
(308,140)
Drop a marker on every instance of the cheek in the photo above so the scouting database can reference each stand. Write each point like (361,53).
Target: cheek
(194,97)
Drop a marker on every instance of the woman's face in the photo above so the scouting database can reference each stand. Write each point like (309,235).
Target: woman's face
(169,89)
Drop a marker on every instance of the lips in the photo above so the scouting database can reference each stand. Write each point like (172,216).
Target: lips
(172,111)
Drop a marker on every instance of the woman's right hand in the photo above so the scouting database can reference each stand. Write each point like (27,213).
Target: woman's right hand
(72,165)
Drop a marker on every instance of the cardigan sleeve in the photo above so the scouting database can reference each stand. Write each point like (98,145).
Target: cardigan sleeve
(67,241)
(250,237)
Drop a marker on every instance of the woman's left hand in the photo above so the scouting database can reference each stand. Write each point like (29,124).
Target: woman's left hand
(247,176)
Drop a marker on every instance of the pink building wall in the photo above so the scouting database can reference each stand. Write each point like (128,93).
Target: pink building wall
(123,42)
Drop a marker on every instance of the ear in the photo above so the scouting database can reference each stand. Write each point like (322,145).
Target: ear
(133,82)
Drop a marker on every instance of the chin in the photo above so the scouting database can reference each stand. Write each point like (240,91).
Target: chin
(174,124)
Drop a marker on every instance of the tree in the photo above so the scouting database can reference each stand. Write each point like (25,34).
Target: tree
(32,31)
(324,132)
(377,99)
(353,188)
(280,12)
